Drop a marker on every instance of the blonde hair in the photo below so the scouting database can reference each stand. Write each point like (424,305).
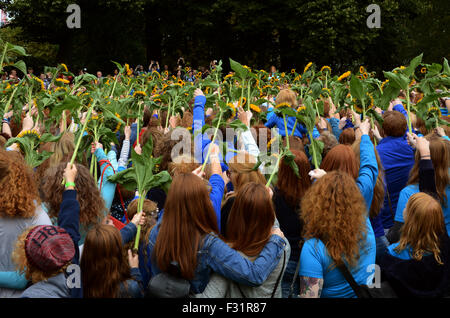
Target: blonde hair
(287,96)
(242,172)
(424,224)
(31,272)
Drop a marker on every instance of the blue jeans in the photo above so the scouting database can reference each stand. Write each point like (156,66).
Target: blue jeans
(382,244)
(287,280)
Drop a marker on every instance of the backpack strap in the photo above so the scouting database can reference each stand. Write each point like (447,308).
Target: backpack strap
(349,278)
(276,284)
(281,274)
(291,289)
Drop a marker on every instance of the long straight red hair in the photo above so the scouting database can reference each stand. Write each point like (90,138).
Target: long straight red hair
(188,216)
(292,187)
(342,158)
(251,219)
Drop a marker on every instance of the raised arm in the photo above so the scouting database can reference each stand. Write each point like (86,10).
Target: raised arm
(368,170)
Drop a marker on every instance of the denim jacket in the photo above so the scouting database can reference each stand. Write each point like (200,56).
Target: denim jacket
(216,256)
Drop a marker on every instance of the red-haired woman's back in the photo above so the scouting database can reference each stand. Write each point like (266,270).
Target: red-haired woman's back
(249,228)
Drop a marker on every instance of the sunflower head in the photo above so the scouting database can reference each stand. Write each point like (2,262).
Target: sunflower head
(139,94)
(345,75)
(255,108)
(64,67)
(282,105)
(362,70)
(307,67)
(423,70)
(325,68)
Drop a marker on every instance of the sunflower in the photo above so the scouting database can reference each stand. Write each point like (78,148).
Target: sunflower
(139,93)
(271,141)
(434,109)
(61,88)
(362,70)
(325,68)
(345,75)
(307,67)
(281,105)
(301,108)
(62,80)
(233,109)
(255,108)
(227,76)
(157,100)
(32,133)
(360,77)
(297,78)
(384,83)
(64,66)
(127,70)
(365,75)
(244,101)
(283,74)
(293,71)
(119,124)
(39,81)
(423,70)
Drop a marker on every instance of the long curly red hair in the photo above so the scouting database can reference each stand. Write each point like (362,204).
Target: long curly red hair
(92,204)
(18,190)
(334,211)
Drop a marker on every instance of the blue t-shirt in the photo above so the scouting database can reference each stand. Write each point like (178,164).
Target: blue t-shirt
(405,254)
(315,262)
(407,192)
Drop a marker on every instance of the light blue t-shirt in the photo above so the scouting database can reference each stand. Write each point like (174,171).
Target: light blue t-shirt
(405,254)
(412,189)
(315,262)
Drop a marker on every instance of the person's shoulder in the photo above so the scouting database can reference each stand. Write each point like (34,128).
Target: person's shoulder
(410,189)
(314,244)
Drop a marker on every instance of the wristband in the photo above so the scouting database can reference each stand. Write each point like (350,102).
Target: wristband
(70,184)
(6,120)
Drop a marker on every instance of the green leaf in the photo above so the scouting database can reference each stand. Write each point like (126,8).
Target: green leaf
(446,70)
(20,65)
(289,159)
(398,80)
(412,65)
(356,88)
(240,71)
(17,50)
(47,137)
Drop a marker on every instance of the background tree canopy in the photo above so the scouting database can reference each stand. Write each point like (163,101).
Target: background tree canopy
(285,33)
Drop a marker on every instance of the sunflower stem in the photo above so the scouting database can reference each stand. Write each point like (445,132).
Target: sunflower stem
(275,170)
(74,155)
(212,142)
(313,151)
(408,106)
(286,131)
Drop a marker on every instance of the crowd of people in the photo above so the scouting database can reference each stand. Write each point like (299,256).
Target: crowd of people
(378,200)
